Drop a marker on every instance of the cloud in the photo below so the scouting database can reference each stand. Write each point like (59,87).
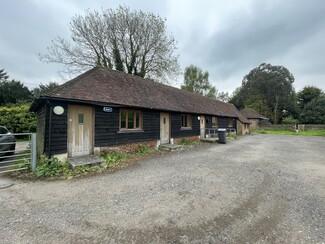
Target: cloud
(243,36)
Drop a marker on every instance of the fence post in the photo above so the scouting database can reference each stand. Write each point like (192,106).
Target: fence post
(33,151)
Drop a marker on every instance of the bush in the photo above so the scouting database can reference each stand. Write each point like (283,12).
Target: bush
(51,167)
(184,142)
(113,158)
(290,120)
(143,149)
(17,118)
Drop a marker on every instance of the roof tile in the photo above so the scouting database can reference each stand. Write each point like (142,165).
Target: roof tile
(113,87)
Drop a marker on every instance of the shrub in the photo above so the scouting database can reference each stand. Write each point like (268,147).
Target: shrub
(51,167)
(17,118)
(143,149)
(289,120)
(113,158)
(184,142)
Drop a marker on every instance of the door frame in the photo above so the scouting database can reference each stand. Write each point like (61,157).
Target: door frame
(92,137)
(167,124)
(202,126)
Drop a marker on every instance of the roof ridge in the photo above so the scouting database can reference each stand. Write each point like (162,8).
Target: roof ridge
(112,86)
(141,79)
(52,92)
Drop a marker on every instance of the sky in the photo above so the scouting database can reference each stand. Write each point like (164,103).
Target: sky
(227,38)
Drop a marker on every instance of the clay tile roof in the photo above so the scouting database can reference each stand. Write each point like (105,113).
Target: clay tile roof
(104,85)
(252,114)
(240,116)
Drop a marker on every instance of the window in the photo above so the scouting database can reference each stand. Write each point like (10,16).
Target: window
(230,122)
(130,119)
(214,121)
(186,121)
(81,118)
(3,130)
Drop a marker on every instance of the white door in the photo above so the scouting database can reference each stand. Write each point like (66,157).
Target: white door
(80,130)
(164,128)
(202,126)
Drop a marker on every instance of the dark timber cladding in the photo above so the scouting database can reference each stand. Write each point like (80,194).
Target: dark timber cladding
(58,131)
(177,131)
(107,131)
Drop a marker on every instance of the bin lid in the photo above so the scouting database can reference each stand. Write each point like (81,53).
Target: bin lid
(222,130)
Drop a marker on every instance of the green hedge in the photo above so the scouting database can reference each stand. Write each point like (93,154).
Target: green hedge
(18,118)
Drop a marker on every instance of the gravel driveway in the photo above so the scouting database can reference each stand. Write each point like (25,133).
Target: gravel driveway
(257,189)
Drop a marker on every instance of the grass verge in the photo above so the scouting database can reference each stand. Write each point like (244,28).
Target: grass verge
(290,132)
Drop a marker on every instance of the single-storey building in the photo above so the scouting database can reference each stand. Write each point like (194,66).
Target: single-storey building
(243,124)
(254,117)
(103,108)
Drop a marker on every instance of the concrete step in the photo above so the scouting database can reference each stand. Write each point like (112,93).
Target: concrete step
(210,139)
(171,147)
(85,160)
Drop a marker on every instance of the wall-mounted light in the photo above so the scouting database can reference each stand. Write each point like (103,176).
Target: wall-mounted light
(58,110)
(198,118)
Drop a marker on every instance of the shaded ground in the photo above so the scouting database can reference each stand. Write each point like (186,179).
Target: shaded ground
(259,188)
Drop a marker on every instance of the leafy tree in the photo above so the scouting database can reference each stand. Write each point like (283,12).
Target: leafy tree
(223,96)
(289,120)
(13,91)
(17,118)
(134,42)
(197,81)
(3,75)
(237,98)
(307,94)
(43,89)
(314,111)
(267,89)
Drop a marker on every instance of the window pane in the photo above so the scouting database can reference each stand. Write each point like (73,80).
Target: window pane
(214,122)
(81,118)
(137,121)
(123,119)
(230,122)
(131,120)
(186,121)
(183,121)
(189,121)
(3,131)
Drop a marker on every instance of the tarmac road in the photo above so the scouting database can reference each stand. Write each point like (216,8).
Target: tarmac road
(256,189)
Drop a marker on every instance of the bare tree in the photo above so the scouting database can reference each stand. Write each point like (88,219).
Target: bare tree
(134,42)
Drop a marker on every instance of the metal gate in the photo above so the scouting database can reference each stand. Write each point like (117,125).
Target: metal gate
(17,152)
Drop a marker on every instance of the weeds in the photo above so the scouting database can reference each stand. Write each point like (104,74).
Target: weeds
(51,167)
(113,158)
(143,149)
(184,142)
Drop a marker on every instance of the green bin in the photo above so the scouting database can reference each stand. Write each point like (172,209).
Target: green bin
(222,134)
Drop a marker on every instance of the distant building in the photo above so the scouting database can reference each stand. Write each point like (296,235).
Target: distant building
(254,117)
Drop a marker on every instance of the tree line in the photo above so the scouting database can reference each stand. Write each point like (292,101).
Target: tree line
(269,90)
(14,91)
(15,99)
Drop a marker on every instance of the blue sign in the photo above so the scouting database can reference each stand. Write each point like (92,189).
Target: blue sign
(107,109)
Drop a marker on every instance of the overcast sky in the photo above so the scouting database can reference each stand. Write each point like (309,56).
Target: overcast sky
(225,38)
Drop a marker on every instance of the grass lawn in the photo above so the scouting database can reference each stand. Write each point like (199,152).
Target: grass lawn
(289,132)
